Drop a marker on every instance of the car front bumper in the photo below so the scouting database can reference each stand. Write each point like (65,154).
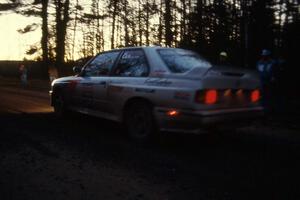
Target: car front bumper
(196,121)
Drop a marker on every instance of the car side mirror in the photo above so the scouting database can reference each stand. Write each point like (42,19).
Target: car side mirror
(77,70)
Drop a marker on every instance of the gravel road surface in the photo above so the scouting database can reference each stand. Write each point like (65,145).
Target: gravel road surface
(42,157)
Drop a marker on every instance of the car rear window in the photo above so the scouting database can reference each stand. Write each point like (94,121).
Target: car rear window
(181,61)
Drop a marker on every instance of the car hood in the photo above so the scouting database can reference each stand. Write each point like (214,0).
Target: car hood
(63,79)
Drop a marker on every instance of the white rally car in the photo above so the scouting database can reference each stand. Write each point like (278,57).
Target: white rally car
(152,89)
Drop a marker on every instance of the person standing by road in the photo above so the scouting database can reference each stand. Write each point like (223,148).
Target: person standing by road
(223,58)
(265,67)
(23,75)
(53,73)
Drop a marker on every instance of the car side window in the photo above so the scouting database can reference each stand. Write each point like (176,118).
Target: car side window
(132,63)
(101,64)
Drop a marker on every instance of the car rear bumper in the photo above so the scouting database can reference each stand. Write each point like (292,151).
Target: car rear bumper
(197,121)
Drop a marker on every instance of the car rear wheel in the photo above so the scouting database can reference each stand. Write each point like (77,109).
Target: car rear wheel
(140,122)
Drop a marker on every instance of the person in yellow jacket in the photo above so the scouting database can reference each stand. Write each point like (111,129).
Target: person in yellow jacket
(223,58)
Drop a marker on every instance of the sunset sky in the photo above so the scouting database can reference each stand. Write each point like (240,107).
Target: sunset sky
(13,45)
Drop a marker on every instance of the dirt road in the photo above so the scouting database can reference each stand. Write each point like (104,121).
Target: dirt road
(42,157)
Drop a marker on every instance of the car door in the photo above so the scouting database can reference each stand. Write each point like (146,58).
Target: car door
(129,73)
(105,63)
(92,88)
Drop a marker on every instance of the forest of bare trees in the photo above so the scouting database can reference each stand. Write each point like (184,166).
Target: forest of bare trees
(80,28)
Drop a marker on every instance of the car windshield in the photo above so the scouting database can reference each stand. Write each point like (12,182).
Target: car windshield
(181,61)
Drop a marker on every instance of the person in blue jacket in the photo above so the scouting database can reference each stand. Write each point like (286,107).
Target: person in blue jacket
(265,67)
(23,75)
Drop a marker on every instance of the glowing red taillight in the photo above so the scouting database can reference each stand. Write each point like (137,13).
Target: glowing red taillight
(210,97)
(255,95)
(207,96)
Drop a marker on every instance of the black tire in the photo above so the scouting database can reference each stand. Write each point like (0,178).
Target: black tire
(140,123)
(59,106)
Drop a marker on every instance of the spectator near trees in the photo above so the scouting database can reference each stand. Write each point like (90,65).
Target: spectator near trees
(52,72)
(23,75)
(223,58)
(265,67)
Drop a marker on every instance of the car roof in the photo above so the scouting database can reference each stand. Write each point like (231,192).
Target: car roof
(140,47)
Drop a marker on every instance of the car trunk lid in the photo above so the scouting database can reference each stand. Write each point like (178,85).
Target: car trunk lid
(233,85)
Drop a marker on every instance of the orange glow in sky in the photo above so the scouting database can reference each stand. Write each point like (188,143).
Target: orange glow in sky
(13,45)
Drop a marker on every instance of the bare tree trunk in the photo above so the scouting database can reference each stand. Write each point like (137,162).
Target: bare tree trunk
(74,31)
(174,15)
(102,34)
(114,14)
(45,33)
(147,22)
(62,19)
(160,26)
(126,31)
(140,24)
(118,31)
(183,21)
(168,21)
(98,37)
(200,20)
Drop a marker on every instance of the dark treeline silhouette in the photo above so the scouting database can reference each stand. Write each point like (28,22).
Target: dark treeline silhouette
(10,69)
(240,27)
